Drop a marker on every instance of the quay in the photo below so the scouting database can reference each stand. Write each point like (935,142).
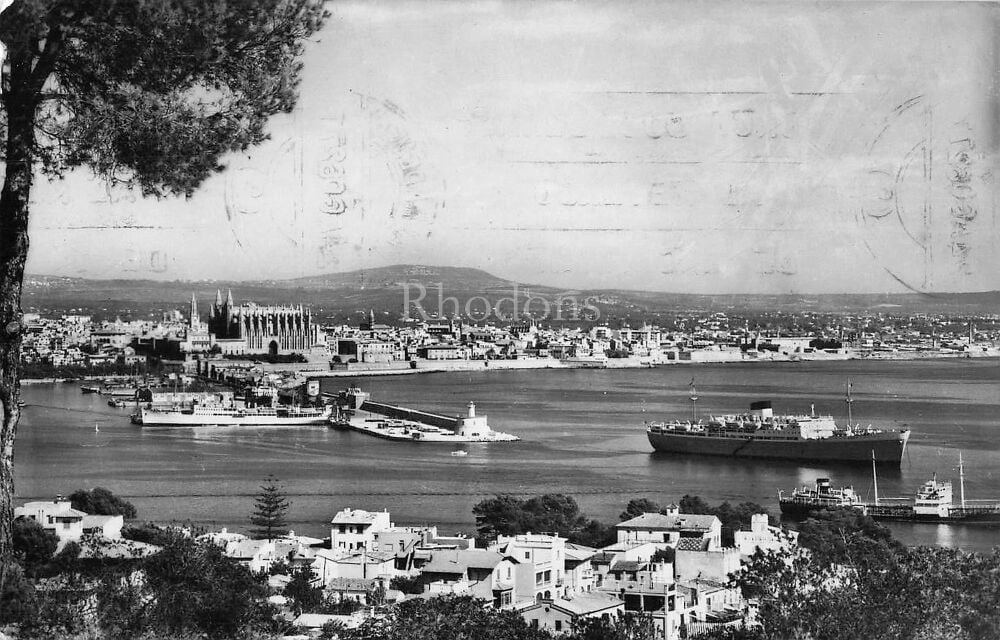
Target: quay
(356,411)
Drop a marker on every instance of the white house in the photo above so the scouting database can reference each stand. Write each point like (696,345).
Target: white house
(57,516)
(109,527)
(354,529)
(546,557)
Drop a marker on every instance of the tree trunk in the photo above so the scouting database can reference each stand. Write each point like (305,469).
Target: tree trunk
(13,252)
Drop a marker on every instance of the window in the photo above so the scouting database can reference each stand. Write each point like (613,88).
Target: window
(539,577)
(558,625)
(534,623)
(527,555)
(343,529)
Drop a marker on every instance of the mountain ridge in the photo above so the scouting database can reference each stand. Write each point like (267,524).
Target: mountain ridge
(343,294)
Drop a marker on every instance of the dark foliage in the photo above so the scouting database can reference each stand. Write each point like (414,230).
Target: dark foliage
(147,532)
(304,594)
(188,588)
(17,595)
(625,627)
(548,513)
(100,501)
(446,618)
(407,584)
(638,506)
(831,534)
(33,545)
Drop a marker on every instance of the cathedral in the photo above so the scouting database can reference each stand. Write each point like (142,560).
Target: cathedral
(251,328)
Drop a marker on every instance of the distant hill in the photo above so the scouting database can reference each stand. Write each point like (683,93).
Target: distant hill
(340,297)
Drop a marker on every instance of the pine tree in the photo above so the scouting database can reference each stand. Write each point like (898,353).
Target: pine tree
(147,94)
(269,511)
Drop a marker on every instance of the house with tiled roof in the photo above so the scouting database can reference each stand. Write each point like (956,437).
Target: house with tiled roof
(484,574)
(330,564)
(669,527)
(560,614)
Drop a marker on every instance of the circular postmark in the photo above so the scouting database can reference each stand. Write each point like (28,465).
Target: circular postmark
(353,177)
(923,187)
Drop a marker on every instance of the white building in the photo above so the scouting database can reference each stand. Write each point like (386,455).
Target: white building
(58,517)
(546,557)
(354,529)
(670,527)
(763,537)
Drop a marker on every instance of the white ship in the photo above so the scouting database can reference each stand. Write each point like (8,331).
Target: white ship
(220,415)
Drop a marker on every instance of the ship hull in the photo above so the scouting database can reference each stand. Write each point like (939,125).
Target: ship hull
(888,448)
(801,511)
(172,419)
(956,515)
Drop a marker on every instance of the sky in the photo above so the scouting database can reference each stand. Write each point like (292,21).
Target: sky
(761,147)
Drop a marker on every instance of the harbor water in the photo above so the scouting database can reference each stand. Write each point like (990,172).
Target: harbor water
(582,434)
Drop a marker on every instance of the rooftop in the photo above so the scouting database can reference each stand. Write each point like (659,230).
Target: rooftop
(459,560)
(355,516)
(659,521)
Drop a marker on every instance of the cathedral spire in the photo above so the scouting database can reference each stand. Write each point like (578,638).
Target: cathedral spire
(229,298)
(193,321)
(218,297)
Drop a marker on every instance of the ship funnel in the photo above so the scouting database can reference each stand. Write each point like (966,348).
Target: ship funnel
(761,409)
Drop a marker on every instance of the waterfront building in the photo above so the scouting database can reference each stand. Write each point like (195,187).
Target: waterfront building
(69,524)
(56,516)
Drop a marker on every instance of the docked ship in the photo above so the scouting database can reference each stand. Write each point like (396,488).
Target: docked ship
(356,411)
(760,433)
(822,495)
(934,502)
(233,416)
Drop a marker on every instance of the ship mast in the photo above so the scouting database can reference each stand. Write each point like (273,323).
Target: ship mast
(850,401)
(694,401)
(874,478)
(961,478)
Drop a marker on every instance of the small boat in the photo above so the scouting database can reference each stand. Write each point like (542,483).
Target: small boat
(459,453)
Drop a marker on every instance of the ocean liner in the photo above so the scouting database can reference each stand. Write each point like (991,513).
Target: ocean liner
(760,433)
(221,415)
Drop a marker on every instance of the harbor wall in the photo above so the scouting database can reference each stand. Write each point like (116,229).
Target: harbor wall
(402,413)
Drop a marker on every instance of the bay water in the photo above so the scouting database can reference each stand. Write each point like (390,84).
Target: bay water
(582,434)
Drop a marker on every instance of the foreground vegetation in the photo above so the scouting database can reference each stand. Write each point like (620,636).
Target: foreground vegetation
(851,580)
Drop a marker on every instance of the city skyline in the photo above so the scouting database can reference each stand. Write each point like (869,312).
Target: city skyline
(762,148)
